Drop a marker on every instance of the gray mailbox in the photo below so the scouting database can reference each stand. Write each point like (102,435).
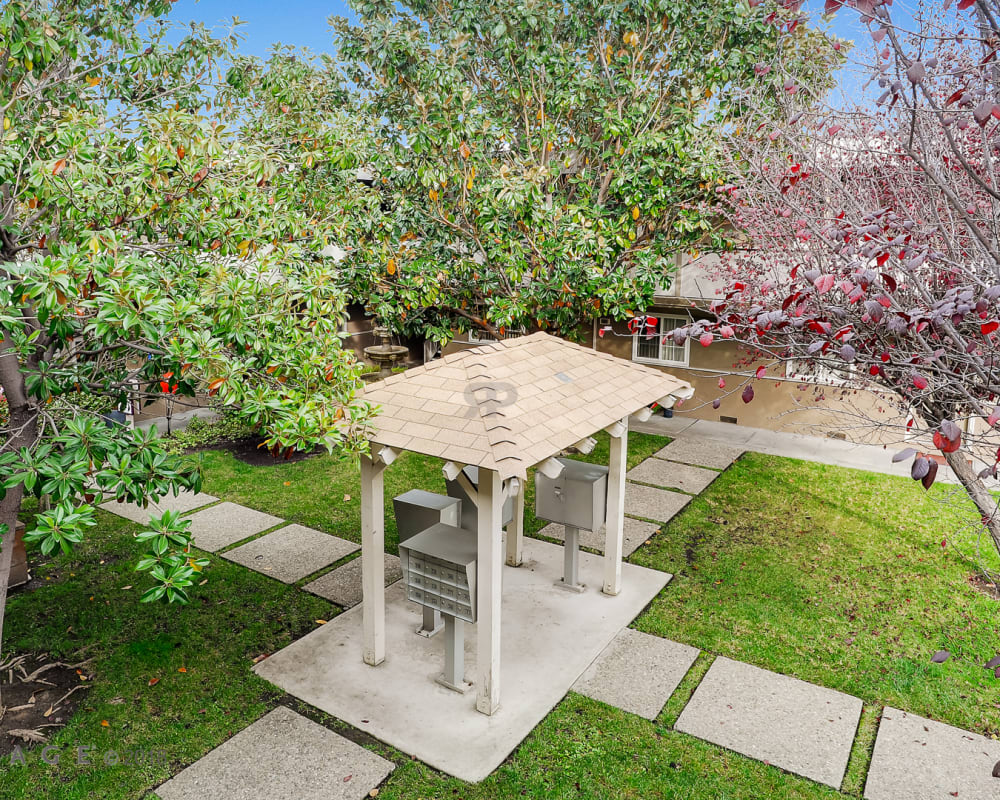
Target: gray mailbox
(416,511)
(439,572)
(470,515)
(578,499)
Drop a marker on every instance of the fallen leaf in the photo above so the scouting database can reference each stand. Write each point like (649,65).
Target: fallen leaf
(940,657)
(288,483)
(48,712)
(993,662)
(347,498)
(105,723)
(259,658)
(182,669)
(126,587)
(347,778)
(996,770)
(153,681)
(321,622)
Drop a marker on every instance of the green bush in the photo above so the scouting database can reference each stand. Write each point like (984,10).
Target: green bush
(204,433)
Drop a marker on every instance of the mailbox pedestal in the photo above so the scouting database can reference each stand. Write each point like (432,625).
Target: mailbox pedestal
(416,511)
(577,499)
(439,571)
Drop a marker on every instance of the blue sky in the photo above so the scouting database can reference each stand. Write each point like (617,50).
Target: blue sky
(303,22)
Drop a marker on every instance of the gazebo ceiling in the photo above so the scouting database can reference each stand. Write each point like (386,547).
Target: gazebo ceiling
(509,405)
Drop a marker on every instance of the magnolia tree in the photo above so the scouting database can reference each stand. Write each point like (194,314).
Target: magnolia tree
(160,213)
(867,236)
(540,164)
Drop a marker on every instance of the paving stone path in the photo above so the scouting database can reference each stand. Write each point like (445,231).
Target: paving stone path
(794,725)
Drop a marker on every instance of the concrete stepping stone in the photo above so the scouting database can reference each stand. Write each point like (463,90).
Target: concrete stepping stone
(794,725)
(700,452)
(342,586)
(919,759)
(637,672)
(291,553)
(637,531)
(282,756)
(227,523)
(183,502)
(650,503)
(672,475)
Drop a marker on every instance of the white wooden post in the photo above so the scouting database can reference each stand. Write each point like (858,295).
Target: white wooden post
(614,536)
(488,580)
(372,561)
(515,531)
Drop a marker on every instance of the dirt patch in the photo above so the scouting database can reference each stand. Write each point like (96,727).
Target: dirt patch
(252,451)
(39,696)
(980,584)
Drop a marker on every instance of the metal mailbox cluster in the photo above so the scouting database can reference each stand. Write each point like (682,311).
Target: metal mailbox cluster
(439,567)
(438,546)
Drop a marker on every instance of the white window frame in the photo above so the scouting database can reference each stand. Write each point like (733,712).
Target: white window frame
(822,376)
(661,362)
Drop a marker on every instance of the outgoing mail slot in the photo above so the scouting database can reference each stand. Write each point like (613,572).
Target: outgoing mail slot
(578,497)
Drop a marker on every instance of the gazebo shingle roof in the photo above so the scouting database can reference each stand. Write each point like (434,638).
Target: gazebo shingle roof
(509,405)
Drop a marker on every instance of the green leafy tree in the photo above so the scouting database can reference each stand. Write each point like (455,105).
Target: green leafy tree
(160,220)
(541,163)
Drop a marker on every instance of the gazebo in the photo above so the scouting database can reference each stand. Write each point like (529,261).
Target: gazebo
(503,408)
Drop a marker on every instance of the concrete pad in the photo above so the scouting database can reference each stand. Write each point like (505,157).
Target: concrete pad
(548,638)
(672,475)
(228,523)
(701,452)
(797,726)
(292,552)
(637,672)
(185,501)
(342,585)
(637,531)
(919,759)
(282,756)
(650,503)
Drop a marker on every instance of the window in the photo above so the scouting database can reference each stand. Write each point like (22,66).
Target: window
(820,373)
(653,344)
(479,336)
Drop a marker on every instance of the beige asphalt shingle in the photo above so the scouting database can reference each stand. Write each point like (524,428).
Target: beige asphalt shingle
(511,404)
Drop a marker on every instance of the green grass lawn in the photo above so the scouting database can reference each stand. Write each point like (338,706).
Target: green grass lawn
(830,575)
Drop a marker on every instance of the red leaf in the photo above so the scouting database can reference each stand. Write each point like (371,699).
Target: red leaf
(994,417)
(705,339)
(928,479)
(919,381)
(722,383)
(747,394)
(881,258)
(889,281)
(824,283)
(59,167)
(964,4)
(988,327)
(716,403)
(726,331)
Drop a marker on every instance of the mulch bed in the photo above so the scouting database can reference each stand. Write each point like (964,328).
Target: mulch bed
(252,451)
(39,696)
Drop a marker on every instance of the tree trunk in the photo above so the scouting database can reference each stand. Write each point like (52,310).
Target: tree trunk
(977,491)
(24,429)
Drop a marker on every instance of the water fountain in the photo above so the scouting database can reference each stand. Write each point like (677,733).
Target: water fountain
(384,355)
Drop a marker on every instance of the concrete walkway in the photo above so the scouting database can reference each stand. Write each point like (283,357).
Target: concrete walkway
(796,726)
(823,450)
